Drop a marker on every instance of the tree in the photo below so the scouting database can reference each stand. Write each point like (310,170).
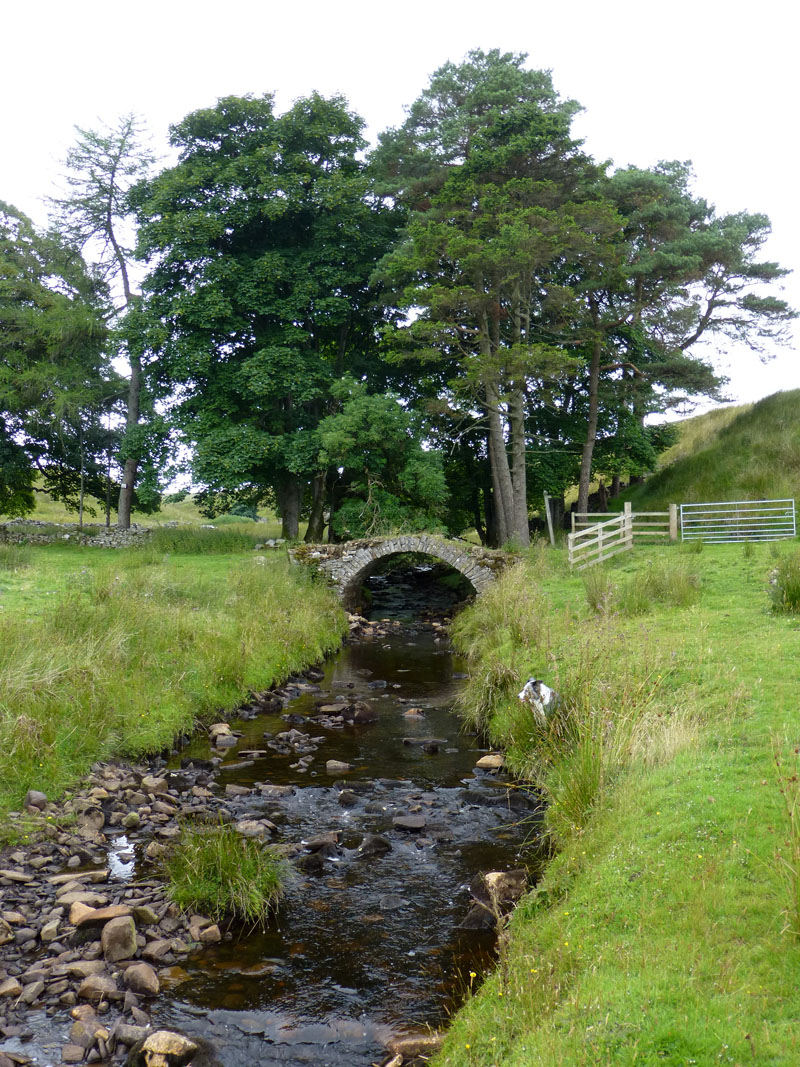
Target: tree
(55,378)
(499,192)
(262,239)
(387,481)
(676,274)
(101,169)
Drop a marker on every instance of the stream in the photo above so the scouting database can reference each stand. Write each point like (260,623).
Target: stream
(368,941)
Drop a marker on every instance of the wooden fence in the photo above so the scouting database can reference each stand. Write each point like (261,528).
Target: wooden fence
(592,541)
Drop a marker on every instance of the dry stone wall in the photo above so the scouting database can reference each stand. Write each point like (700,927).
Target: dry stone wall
(36,532)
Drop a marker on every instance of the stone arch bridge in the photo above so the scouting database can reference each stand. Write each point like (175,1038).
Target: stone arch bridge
(347,566)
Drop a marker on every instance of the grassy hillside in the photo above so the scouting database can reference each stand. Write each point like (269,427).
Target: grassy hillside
(747,453)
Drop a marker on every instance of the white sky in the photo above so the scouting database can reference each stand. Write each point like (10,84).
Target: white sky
(714,81)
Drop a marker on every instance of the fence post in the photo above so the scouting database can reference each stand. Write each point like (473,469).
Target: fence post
(549,519)
(628,524)
(572,520)
(673,522)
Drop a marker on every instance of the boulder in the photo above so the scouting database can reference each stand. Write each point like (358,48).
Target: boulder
(34,798)
(119,939)
(96,987)
(495,761)
(141,979)
(335,766)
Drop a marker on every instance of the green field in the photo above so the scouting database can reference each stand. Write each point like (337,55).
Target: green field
(665,929)
(117,652)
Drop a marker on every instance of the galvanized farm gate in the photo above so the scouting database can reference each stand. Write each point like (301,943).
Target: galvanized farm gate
(738,520)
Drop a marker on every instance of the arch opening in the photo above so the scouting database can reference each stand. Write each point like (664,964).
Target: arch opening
(407,583)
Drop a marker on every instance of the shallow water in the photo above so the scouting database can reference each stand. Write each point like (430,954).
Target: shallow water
(369,946)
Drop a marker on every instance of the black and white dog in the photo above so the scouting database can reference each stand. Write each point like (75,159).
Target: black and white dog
(541,699)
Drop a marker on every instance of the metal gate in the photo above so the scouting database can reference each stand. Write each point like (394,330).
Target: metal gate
(738,520)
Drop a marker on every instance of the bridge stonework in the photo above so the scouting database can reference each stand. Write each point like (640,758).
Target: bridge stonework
(348,565)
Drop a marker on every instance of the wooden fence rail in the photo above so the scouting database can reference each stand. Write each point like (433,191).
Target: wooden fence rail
(592,542)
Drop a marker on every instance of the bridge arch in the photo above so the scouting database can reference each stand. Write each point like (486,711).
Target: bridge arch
(348,565)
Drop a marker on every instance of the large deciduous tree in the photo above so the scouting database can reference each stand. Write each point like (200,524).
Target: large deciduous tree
(55,381)
(262,239)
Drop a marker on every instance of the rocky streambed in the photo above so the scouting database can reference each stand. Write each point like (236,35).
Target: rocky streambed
(404,838)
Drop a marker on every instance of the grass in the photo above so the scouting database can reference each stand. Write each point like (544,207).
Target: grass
(217,871)
(183,511)
(749,453)
(663,930)
(117,653)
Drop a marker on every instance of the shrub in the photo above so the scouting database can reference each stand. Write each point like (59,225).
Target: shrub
(785,584)
(216,870)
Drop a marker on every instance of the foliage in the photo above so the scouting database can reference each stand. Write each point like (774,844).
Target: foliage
(56,383)
(262,239)
(217,871)
(192,540)
(100,170)
(387,480)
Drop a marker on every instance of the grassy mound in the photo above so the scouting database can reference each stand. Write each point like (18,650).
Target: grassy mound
(750,453)
(217,871)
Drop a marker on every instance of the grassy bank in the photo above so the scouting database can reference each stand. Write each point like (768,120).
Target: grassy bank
(665,930)
(115,653)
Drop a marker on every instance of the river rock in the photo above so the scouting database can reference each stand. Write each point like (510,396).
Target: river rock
(495,761)
(391,902)
(34,798)
(10,988)
(409,823)
(87,918)
(119,939)
(6,933)
(154,785)
(409,1046)
(374,845)
(335,766)
(141,979)
(96,987)
(172,1049)
(499,888)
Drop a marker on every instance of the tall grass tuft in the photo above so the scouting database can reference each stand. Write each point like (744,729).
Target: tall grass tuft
(196,540)
(668,580)
(499,639)
(216,870)
(788,857)
(131,656)
(785,584)
(14,557)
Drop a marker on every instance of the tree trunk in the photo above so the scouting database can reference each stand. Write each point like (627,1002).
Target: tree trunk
(132,462)
(316,520)
(288,497)
(519,480)
(498,463)
(591,428)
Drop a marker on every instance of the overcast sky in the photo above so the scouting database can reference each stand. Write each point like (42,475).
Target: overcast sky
(714,81)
